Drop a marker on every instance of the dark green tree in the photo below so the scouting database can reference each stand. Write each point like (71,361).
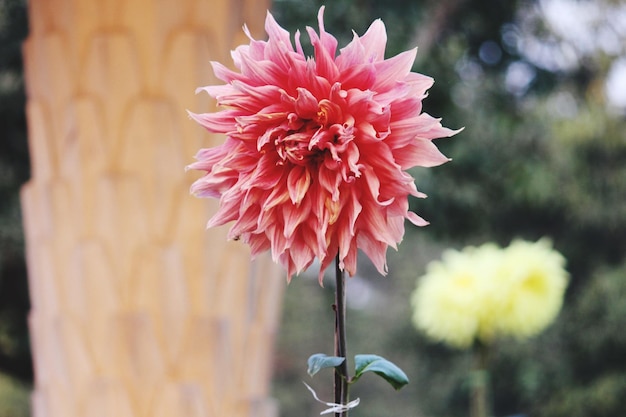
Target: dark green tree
(14,171)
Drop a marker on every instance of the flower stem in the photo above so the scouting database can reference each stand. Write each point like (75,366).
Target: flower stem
(341,372)
(479,382)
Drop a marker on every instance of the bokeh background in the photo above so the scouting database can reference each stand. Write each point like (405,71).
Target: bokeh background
(540,87)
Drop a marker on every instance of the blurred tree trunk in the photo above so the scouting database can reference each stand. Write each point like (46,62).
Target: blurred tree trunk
(137,310)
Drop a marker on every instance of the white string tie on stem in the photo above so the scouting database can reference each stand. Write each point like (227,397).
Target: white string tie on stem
(334,407)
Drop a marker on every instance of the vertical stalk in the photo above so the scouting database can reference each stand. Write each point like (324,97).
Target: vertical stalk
(341,372)
(479,382)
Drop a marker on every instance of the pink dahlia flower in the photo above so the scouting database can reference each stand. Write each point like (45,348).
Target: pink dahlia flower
(316,152)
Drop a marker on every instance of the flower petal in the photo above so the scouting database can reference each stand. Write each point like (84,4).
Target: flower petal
(393,70)
(298,183)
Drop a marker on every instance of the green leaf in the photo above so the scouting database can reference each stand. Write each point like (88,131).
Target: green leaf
(320,361)
(381,366)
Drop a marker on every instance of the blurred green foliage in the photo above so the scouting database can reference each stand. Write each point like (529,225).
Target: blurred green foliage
(14,397)
(14,171)
(15,360)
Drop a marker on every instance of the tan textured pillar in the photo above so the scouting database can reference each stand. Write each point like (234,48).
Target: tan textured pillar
(137,310)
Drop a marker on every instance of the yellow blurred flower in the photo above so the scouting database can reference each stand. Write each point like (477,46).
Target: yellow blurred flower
(485,292)
(536,277)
